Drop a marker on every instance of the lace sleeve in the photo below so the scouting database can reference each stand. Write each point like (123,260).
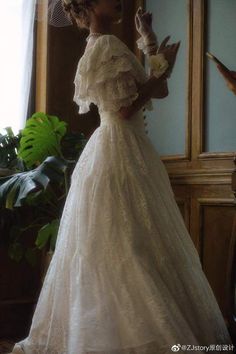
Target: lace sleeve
(108,75)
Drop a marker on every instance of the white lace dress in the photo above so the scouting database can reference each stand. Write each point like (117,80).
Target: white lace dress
(125,276)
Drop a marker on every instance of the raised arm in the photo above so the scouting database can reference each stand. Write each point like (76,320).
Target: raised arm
(145,94)
(156,85)
(148,43)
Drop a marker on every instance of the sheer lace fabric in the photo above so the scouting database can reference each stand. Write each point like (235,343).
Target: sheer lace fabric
(108,75)
(125,277)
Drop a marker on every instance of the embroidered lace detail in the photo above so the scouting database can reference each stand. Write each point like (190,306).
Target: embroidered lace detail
(125,271)
(148,348)
(108,75)
(125,277)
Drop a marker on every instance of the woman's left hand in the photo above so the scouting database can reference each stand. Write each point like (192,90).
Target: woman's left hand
(170,53)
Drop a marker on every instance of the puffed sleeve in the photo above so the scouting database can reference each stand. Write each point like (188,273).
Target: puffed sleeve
(108,75)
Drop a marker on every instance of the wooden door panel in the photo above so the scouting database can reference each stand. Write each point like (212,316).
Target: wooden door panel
(202,180)
(216,219)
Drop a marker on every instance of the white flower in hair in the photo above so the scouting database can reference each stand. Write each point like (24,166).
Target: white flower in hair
(158,64)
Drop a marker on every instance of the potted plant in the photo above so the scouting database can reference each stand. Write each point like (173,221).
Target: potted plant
(41,160)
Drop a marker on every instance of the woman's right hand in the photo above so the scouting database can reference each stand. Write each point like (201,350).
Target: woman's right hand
(143,23)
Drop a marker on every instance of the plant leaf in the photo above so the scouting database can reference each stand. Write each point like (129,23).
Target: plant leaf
(41,137)
(48,233)
(14,189)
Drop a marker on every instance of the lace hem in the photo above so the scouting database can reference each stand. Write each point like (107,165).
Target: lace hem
(147,348)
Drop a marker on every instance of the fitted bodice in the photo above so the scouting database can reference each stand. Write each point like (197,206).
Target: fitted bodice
(136,122)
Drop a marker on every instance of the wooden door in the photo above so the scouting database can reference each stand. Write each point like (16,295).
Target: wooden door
(200,159)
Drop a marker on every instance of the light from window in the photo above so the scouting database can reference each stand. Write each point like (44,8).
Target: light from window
(16,38)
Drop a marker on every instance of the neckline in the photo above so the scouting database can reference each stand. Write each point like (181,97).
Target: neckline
(87,49)
(96,34)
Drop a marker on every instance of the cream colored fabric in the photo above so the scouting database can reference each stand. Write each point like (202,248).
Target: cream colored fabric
(125,277)
(107,75)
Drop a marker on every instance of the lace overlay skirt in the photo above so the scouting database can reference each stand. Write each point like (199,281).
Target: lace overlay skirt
(125,277)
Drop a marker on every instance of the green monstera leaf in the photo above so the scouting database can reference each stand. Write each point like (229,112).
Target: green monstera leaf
(14,189)
(8,148)
(48,233)
(41,137)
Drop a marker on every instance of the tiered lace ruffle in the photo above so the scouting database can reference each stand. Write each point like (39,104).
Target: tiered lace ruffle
(108,75)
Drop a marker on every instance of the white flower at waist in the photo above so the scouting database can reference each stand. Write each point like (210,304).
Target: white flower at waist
(158,64)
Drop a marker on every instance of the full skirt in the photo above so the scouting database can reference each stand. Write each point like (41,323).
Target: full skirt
(125,277)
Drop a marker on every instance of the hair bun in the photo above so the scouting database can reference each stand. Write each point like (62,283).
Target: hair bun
(78,9)
(67,4)
(73,4)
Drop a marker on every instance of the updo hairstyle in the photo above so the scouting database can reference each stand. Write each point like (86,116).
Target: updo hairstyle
(78,11)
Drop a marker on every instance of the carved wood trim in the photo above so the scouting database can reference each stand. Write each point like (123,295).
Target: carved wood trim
(41,58)
(200,176)
(197,82)
(195,157)
(231,272)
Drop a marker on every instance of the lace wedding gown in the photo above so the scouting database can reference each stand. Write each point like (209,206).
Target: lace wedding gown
(125,276)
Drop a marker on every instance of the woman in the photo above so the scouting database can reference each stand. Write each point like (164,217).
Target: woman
(125,276)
